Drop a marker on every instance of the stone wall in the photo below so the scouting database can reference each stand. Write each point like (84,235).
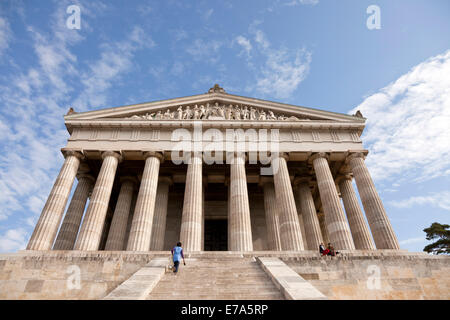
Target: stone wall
(49,275)
(404,276)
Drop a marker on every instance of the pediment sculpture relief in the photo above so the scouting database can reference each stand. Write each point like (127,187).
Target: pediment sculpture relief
(215,112)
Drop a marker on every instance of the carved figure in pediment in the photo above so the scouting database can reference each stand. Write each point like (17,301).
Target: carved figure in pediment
(294,118)
(187,113)
(221,111)
(271,116)
(252,113)
(262,115)
(282,117)
(245,113)
(207,110)
(202,112)
(237,113)
(179,113)
(196,112)
(168,115)
(229,112)
(158,115)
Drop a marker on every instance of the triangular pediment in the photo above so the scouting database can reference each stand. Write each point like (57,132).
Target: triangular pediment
(213,105)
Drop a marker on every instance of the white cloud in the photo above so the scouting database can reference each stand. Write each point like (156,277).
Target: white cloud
(412,241)
(283,70)
(33,101)
(5,35)
(245,44)
(408,129)
(205,50)
(207,14)
(13,240)
(438,199)
(302,2)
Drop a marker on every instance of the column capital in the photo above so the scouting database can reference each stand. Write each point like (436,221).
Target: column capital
(66,153)
(133,179)
(237,155)
(114,154)
(166,179)
(156,154)
(343,177)
(284,155)
(300,180)
(356,154)
(317,155)
(263,180)
(85,176)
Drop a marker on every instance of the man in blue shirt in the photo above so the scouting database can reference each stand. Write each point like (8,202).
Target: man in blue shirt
(177,254)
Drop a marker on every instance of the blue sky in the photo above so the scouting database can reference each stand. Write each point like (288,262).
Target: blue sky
(313,53)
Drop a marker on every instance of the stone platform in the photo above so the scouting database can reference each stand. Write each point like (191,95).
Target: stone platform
(380,274)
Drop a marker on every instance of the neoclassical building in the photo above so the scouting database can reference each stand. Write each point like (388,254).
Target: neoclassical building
(216,171)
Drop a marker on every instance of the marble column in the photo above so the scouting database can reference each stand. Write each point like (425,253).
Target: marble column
(337,226)
(360,231)
(381,228)
(159,221)
(94,219)
(323,228)
(290,231)
(141,227)
(191,219)
(72,220)
(47,226)
(239,224)
(271,213)
(308,210)
(118,228)
(205,183)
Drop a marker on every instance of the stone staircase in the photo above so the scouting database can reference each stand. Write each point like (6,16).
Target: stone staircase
(217,278)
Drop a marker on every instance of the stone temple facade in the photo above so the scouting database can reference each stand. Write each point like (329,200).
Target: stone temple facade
(214,198)
(230,177)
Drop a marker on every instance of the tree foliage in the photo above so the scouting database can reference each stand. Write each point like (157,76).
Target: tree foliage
(440,233)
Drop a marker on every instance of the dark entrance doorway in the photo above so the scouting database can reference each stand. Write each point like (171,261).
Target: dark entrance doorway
(216,234)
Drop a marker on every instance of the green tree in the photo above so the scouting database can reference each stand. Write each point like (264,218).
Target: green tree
(441,232)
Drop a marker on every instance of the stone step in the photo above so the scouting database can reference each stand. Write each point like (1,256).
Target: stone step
(217,278)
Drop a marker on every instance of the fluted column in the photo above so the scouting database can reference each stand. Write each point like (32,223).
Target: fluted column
(356,221)
(91,229)
(141,227)
(271,213)
(308,210)
(323,228)
(205,183)
(72,220)
(381,228)
(337,226)
(118,228)
(159,221)
(47,226)
(239,224)
(191,220)
(290,232)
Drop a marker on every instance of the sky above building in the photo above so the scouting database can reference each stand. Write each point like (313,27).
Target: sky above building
(320,54)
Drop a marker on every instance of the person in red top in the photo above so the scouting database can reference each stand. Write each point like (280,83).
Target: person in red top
(322,250)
